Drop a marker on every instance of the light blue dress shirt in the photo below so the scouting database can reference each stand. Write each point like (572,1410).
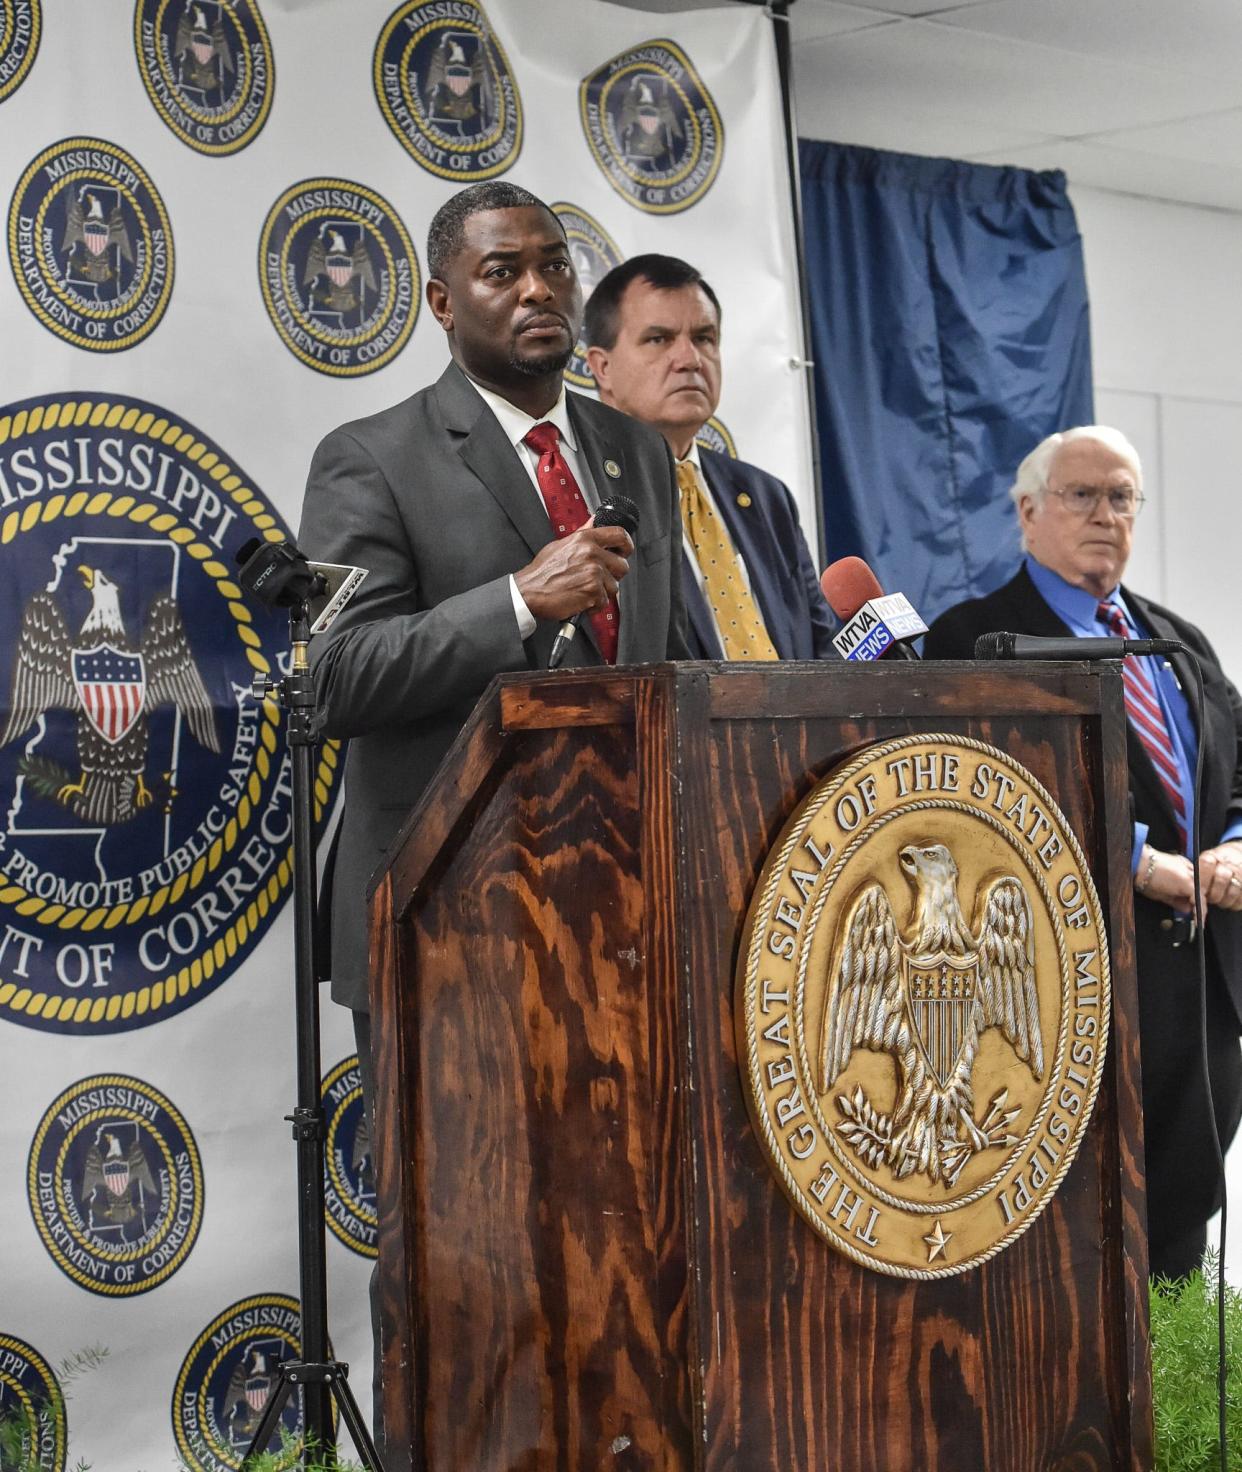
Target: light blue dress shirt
(1078,610)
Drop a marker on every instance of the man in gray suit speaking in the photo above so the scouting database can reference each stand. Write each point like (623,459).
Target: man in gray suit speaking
(469,506)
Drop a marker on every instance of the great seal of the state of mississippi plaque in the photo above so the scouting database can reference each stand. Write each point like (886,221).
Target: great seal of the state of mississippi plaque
(923,1004)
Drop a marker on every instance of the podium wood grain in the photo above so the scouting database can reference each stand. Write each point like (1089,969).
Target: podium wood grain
(586,1261)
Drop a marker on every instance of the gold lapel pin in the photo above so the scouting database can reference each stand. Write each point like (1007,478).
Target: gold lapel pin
(743,500)
(613,469)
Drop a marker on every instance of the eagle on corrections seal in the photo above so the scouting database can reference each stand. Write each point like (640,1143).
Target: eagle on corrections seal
(112,686)
(201,50)
(117,1180)
(91,235)
(927,1001)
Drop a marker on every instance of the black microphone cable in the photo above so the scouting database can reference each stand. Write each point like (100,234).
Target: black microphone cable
(1205,1054)
(1205,1059)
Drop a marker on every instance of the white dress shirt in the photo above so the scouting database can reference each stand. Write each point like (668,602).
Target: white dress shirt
(517,424)
(693,456)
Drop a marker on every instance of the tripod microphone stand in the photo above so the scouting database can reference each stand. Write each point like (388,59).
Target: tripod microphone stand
(279,575)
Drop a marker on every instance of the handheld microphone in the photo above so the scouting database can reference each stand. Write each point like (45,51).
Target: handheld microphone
(876,625)
(1032,646)
(617,510)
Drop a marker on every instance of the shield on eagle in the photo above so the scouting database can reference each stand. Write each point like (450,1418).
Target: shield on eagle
(116,1176)
(111,684)
(258,1388)
(940,994)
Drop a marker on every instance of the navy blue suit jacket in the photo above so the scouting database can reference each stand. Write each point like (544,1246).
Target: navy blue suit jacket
(769,539)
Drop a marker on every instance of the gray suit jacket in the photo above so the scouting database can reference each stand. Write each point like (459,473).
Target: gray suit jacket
(432,499)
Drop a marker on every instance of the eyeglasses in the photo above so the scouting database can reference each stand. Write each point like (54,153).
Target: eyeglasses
(1082,501)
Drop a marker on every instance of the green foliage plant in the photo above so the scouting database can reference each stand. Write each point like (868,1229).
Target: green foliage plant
(302,1458)
(1183,1354)
(19,1438)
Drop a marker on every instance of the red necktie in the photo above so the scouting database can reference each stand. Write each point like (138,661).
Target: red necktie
(567,511)
(1145,714)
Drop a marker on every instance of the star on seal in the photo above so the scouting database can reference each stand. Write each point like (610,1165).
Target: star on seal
(937,1240)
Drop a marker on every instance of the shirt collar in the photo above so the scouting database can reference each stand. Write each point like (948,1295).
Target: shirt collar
(1075,606)
(692,455)
(517,423)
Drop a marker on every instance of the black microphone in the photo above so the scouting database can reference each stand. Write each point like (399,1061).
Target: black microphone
(617,510)
(277,573)
(1032,646)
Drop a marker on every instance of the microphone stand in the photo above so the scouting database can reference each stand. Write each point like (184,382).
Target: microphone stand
(321,1378)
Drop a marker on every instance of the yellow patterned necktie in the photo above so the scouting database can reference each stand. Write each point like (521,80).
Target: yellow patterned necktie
(742,633)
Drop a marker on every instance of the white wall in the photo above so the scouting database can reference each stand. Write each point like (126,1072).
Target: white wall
(1165,284)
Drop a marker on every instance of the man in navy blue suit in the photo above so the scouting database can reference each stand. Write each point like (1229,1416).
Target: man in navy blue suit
(652,330)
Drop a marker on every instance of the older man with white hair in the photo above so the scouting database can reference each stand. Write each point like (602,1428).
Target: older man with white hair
(1078,495)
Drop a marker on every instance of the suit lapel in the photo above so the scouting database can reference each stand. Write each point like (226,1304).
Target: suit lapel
(746,531)
(1031,614)
(698,615)
(485,449)
(597,448)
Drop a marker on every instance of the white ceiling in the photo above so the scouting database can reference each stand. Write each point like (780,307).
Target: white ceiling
(1143,96)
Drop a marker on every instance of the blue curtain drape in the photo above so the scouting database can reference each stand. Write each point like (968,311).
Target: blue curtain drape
(950,333)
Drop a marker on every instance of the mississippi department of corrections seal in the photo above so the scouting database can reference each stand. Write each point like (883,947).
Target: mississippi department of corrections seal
(349,1174)
(339,275)
(207,67)
(923,1004)
(653,127)
(145,797)
(20,25)
(445,87)
(32,1408)
(90,245)
(115,1185)
(594,254)
(714,435)
(225,1380)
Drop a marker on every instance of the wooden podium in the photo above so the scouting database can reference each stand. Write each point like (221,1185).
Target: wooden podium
(585,1258)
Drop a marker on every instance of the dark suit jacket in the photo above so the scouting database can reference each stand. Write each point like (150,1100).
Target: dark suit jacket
(1181,1173)
(769,541)
(432,499)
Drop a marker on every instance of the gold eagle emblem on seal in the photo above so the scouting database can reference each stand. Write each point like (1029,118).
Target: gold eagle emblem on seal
(922,1004)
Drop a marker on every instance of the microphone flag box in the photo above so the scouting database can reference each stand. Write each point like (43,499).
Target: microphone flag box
(877,626)
(341,584)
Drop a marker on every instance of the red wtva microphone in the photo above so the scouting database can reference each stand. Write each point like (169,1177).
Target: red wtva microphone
(875,624)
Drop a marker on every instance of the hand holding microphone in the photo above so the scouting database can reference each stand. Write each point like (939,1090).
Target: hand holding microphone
(580,572)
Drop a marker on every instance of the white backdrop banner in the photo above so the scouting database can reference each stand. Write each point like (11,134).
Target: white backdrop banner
(215,223)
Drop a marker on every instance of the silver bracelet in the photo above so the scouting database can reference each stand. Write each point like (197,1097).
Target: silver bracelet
(1141,884)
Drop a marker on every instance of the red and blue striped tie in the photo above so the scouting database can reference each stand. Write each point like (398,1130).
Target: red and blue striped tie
(1146,716)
